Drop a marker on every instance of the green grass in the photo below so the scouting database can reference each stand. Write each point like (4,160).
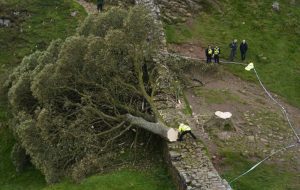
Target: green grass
(264,177)
(125,179)
(44,21)
(273,40)
(9,178)
(212,96)
(187,108)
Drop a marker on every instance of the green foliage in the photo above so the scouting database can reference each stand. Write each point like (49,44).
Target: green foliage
(68,101)
(37,23)
(155,178)
(99,25)
(273,39)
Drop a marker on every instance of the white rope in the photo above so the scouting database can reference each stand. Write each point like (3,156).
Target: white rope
(198,59)
(261,84)
(272,98)
(281,107)
(289,122)
(266,158)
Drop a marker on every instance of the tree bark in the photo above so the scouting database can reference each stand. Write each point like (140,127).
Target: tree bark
(160,129)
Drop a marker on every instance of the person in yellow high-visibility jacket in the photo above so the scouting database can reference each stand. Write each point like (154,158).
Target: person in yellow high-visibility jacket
(209,53)
(183,130)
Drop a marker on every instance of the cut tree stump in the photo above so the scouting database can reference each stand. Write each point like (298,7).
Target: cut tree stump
(160,129)
(221,120)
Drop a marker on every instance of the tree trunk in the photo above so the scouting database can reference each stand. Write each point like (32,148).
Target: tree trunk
(167,133)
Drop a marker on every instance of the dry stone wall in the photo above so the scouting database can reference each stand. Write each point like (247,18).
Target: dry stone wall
(189,164)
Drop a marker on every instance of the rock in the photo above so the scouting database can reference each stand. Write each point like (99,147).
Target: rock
(224,136)
(211,175)
(175,156)
(5,22)
(251,138)
(264,140)
(276,6)
(74,13)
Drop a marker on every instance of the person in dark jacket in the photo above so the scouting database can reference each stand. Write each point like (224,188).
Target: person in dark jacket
(217,52)
(100,4)
(243,49)
(209,53)
(233,45)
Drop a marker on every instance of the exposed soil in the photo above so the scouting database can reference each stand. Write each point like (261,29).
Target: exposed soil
(261,127)
(188,49)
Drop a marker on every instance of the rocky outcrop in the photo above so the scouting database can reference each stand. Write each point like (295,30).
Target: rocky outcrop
(174,11)
(4,22)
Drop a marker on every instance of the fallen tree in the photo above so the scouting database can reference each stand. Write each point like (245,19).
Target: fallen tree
(75,103)
(160,129)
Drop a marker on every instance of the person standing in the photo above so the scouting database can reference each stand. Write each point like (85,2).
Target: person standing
(217,53)
(233,46)
(243,49)
(209,53)
(183,130)
(100,4)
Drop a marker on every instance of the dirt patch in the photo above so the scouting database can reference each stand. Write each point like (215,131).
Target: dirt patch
(188,49)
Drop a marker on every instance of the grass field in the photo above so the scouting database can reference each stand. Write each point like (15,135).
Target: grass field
(38,23)
(265,177)
(273,40)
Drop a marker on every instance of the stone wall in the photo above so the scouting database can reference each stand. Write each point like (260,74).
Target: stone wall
(190,167)
(188,162)
(155,11)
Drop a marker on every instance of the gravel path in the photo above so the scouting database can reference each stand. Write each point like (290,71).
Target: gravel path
(89,7)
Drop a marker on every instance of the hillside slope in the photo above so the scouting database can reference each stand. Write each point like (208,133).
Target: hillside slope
(273,38)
